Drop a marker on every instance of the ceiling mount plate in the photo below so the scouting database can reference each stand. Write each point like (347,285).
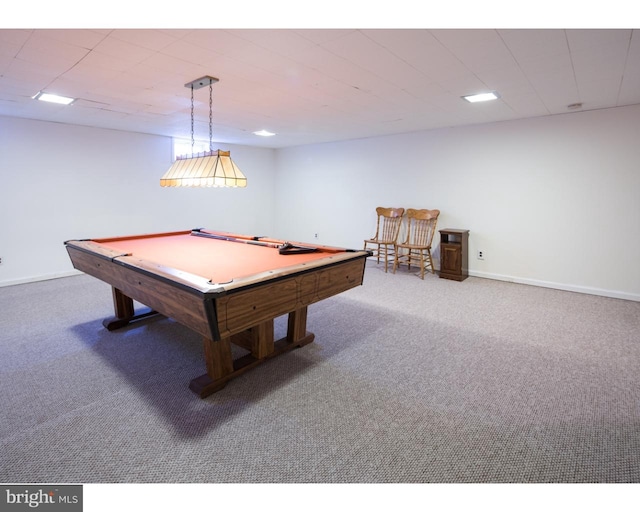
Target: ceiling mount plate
(199,83)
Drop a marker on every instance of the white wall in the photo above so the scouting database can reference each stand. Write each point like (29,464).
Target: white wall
(552,201)
(61,182)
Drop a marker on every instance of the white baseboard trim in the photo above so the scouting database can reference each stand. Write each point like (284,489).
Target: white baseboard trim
(614,294)
(35,279)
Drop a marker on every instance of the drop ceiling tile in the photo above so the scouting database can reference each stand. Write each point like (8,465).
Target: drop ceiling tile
(525,103)
(288,43)
(89,76)
(322,36)
(15,36)
(5,62)
(151,39)
(409,44)
(195,54)
(460,38)
(223,42)
(46,63)
(33,77)
(129,52)
(464,85)
(535,43)
(629,91)
(345,71)
(630,87)
(68,88)
(487,53)
(82,38)
(552,68)
(144,75)
(8,49)
(557,98)
(601,61)
(96,61)
(174,65)
(421,50)
(599,93)
(504,78)
(368,54)
(580,39)
(38,48)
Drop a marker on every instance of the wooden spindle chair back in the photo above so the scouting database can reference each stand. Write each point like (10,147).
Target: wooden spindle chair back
(387,231)
(421,227)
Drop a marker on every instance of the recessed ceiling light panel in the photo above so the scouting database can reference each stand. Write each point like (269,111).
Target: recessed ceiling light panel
(264,133)
(485,96)
(53,98)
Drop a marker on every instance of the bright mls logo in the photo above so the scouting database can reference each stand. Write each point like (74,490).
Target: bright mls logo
(51,498)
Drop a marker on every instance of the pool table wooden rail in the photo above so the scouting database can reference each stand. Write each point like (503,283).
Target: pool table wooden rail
(178,297)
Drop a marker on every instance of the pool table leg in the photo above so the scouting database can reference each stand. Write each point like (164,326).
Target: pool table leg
(124,311)
(259,340)
(297,326)
(217,355)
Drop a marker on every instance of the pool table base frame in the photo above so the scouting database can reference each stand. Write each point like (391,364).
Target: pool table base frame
(221,367)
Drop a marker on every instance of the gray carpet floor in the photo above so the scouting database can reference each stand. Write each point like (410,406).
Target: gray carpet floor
(407,381)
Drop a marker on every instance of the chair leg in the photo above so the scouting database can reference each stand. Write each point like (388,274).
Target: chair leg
(395,259)
(385,257)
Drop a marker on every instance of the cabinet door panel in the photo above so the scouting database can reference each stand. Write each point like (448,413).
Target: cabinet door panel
(451,261)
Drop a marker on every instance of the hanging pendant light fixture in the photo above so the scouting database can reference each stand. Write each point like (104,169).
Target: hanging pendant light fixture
(210,168)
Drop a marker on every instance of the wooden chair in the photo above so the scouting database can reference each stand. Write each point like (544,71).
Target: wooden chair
(387,230)
(421,226)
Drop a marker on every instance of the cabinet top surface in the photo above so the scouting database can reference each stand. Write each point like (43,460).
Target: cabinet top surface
(457,231)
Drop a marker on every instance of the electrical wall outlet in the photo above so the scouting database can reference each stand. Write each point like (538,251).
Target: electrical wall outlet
(0,261)
(480,255)
(315,236)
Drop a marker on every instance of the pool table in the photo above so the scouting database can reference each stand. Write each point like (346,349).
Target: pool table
(226,287)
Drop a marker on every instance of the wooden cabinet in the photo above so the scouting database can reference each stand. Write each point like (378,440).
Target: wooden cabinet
(454,254)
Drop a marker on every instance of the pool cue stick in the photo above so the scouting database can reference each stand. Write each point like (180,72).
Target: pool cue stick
(250,241)
(284,248)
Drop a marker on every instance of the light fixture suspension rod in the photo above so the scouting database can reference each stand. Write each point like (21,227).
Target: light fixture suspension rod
(193,142)
(199,83)
(210,116)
